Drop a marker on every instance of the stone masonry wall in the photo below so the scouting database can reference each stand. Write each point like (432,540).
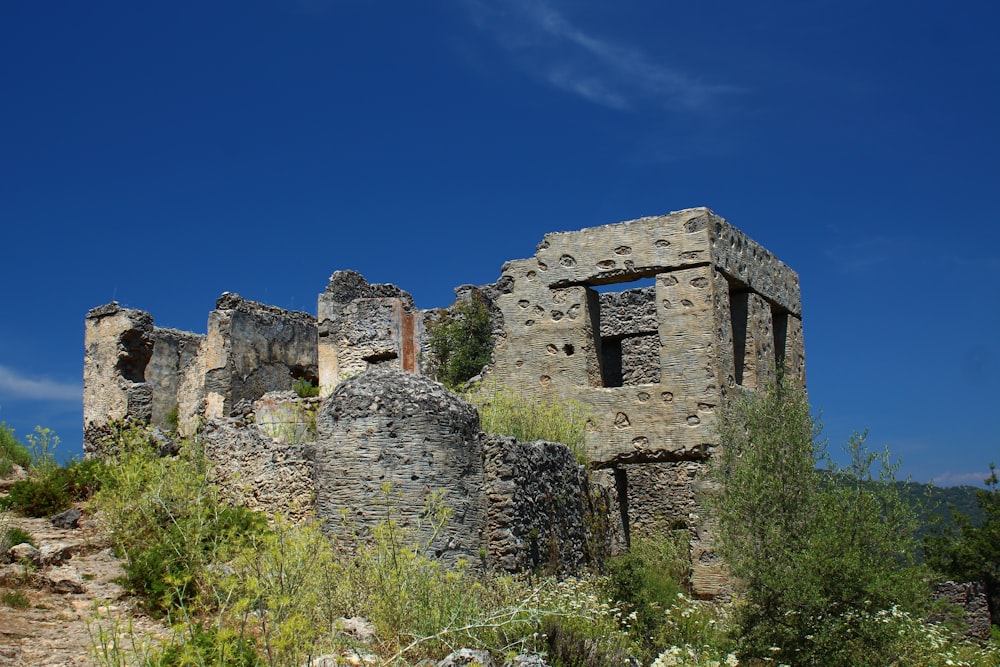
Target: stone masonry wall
(362,326)
(173,351)
(557,326)
(252,349)
(651,364)
(118,346)
(258,472)
(543,513)
(970,597)
(388,427)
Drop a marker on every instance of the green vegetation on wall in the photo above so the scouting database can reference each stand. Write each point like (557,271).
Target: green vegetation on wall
(503,411)
(460,342)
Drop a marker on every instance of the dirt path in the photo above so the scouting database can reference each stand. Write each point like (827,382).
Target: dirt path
(65,594)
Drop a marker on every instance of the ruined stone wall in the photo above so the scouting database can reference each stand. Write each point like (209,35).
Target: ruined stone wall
(970,597)
(630,341)
(252,349)
(173,351)
(133,369)
(258,472)
(118,346)
(543,513)
(674,342)
(286,417)
(362,326)
(388,427)
(652,364)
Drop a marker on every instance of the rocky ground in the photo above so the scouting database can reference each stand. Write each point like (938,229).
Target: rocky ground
(70,586)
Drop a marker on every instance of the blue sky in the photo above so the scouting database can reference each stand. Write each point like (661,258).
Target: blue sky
(159,154)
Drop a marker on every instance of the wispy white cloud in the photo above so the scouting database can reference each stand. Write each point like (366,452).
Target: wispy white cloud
(15,386)
(548,45)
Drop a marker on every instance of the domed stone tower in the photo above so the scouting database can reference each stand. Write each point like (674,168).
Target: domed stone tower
(386,428)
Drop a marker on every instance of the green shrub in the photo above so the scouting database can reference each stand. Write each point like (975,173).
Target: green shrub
(819,566)
(40,496)
(167,520)
(578,626)
(11,451)
(50,489)
(305,388)
(648,584)
(215,645)
(503,411)
(15,600)
(460,342)
(15,535)
(172,418)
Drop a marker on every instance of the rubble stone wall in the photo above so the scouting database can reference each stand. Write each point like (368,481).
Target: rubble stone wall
(258,472)
(543,512)
(252,349)
(387,440)
(970,597)
(362,325)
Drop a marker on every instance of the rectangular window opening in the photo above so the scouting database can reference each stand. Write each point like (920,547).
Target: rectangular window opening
(626,332)
(779,319)
(738,306)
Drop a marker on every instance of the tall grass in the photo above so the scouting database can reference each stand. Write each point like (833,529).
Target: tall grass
(504,411)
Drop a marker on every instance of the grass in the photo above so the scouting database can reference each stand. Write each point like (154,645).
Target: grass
(15,599)
(503,411)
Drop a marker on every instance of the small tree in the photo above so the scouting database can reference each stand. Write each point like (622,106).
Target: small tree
(821,560)
(461,341)
(971,552)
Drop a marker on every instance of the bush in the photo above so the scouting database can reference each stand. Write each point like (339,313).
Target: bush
(15,600)
(166,519)
(304,388)
(819,565)
(12,452)
(50,489)
(460,342)
(648,586)
(14,535)
(503,411)
(213,645)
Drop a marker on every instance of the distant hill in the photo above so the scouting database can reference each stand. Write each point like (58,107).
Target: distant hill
(935,505)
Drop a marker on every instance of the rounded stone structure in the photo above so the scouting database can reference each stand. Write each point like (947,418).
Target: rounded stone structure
(387,441)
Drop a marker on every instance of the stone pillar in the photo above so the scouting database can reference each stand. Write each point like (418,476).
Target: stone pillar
(119,345)
(362,326)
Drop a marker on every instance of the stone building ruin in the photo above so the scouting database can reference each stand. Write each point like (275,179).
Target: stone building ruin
(650,323)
